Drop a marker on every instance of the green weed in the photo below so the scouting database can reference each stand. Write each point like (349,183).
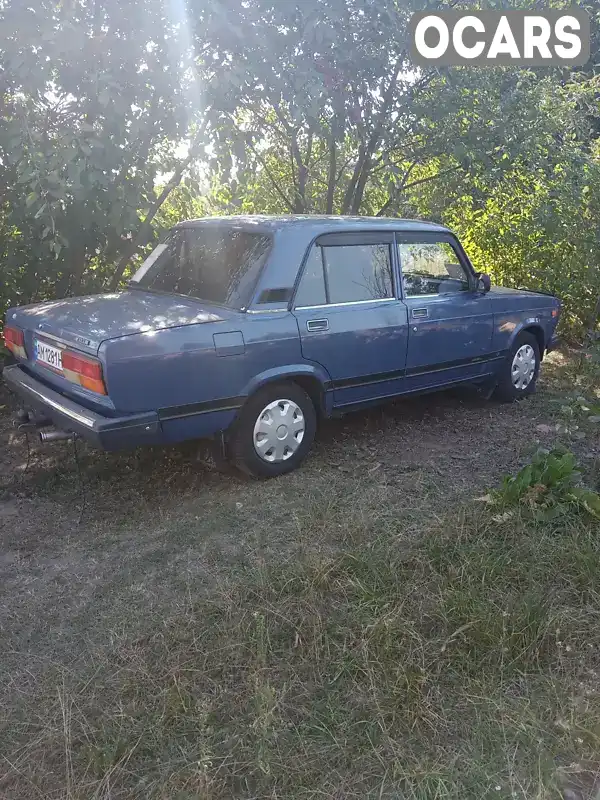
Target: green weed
(549,486)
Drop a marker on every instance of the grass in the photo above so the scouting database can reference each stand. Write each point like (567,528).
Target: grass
(464,666)
(387,638)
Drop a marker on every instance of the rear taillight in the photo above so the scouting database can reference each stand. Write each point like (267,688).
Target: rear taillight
(15,341)
(87,372)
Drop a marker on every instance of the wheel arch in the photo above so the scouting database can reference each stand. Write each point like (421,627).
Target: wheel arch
(315,381)
(534,327)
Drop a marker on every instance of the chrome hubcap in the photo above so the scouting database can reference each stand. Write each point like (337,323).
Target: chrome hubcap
(278,431)
(523,367)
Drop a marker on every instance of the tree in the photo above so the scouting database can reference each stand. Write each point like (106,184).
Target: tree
(535,224)
(111,113)
(95,98)
(322,110)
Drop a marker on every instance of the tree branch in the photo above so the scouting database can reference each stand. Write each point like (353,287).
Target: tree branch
(144,230)
(300,204)
(397,191)
(355,192)
(331,177)
(356,188)
(405,186)
(432,177)
(269,174)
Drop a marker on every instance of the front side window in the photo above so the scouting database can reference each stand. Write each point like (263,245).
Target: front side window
(219,264)
(431,268)
(346,274)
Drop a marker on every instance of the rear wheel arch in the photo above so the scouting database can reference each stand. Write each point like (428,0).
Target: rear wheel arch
(313,384)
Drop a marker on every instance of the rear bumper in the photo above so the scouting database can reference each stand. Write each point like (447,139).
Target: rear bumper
(106,433)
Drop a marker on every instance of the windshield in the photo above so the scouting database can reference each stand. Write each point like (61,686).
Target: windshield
(219,264)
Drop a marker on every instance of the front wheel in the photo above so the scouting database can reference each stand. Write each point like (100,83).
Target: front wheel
(519,373)
(274,431)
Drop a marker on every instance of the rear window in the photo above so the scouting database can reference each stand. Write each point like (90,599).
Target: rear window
(214,263)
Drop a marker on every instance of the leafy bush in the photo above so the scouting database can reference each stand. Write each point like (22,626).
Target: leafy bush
(539,232)
(550,485)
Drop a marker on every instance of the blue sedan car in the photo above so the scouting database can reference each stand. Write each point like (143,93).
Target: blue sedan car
(253,328)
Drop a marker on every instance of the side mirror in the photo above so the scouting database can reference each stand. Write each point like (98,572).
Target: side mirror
(484,283)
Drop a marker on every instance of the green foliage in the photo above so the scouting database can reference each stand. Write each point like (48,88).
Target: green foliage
(536,231)
(312,107)
(531,219)
(580,408)
(547,487)
(93,104)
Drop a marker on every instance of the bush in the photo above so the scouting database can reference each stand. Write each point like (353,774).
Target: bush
(540,233)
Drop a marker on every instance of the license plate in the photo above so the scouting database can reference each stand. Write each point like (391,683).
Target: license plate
(48,354)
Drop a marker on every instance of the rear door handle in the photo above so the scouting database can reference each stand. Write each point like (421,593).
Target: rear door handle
(420,313)
(317,325)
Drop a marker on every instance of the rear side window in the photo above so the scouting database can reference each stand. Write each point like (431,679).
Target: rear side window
(346,274)
(358,272)
(219,264)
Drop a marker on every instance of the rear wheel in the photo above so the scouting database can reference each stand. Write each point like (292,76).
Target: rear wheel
(274,431)
(519,373)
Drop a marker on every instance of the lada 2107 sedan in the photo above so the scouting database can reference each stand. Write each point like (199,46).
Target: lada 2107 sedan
(254,327)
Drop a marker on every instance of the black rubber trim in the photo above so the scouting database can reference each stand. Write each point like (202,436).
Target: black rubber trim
(192,409)
(235,403)
(477,380)
(362,380)
(381,377)
(460,362)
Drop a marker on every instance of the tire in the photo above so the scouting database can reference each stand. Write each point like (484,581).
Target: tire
(284,403)
(516,381)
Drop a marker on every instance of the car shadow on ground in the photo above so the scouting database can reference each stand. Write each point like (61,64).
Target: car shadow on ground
(437,438)
(60,460)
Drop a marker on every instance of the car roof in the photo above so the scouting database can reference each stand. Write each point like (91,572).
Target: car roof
(314,222)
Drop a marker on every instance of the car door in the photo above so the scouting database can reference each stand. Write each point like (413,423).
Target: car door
(349,317)
(450,320)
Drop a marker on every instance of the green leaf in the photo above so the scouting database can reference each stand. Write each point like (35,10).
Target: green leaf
(32,197)
(589,500)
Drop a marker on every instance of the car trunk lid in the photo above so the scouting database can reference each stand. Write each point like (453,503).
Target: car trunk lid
(85,322)
(81,324)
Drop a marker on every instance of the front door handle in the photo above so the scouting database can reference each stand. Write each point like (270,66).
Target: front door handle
(317,325)
(420,313)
